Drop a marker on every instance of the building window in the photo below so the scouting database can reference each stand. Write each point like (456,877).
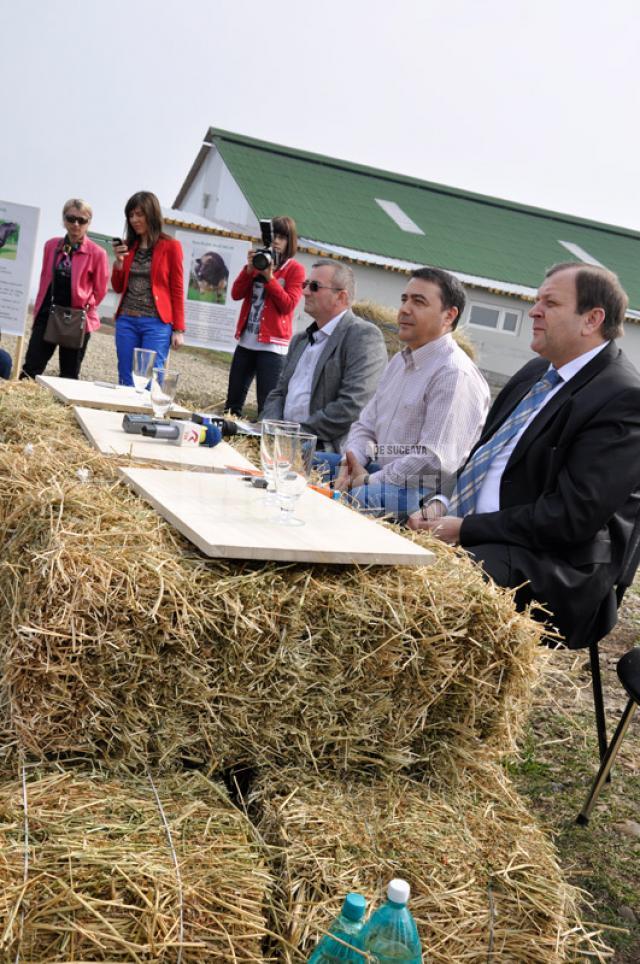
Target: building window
(499,319)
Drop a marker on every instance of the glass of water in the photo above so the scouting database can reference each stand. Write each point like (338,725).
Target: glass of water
(268,431)
(143,361)
(294,460)
(163,391)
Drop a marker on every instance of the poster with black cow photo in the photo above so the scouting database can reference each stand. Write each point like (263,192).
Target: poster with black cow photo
(9,235)
(211,265)
(18,229)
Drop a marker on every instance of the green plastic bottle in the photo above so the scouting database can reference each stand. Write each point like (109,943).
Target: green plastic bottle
(390,935)
(348,927)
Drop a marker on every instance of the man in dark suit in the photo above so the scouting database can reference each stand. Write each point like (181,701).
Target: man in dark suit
(550,494)
(332,369)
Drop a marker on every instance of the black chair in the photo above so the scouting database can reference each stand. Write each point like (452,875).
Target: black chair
(604,622)
(629,674)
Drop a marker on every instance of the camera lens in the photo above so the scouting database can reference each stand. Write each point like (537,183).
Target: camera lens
(261,260)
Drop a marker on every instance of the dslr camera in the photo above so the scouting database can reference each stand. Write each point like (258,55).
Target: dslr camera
(265,256)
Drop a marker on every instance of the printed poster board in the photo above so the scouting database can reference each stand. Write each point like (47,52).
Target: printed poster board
(18,229)
(211,265)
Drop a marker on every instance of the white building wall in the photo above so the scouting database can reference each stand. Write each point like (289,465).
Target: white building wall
(215,194)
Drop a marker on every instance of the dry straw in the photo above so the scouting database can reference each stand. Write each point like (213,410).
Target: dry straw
(119,640)
(102,883)
(486,885)
(386,319)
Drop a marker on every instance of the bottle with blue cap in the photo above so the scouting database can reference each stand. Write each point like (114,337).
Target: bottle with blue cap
(390,935)
(348,927)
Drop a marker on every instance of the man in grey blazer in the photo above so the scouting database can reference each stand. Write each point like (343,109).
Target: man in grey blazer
(332,369)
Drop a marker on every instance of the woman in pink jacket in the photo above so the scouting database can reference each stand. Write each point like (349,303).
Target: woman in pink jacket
(75,274)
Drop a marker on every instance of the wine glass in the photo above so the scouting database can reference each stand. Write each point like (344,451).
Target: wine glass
(268,430)
(293,463)
(143,360)
(163,390)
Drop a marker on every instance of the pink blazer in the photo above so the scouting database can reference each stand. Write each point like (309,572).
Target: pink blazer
(89,278)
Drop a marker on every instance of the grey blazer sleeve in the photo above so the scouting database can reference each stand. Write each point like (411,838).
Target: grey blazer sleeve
(361,358)
(274,403)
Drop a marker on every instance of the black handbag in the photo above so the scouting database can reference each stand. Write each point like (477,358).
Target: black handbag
(65,326)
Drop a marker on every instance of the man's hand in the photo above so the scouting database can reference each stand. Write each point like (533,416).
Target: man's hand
(352,473)
(357,471)
(447,529)
(342,482)
(177,339)
(426,514)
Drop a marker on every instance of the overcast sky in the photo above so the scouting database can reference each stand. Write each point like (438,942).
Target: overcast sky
(533,102)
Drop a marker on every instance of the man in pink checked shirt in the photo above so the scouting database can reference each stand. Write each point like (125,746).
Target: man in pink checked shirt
(428,409)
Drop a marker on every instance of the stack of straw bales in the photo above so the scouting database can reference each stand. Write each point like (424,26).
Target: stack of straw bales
(121,645)
(119,639)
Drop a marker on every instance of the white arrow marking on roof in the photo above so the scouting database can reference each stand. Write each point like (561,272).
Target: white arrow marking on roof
(580,253)
(396,214)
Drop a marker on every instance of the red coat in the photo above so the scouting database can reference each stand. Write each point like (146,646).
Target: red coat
(167,286)
(89,277)
(276,324)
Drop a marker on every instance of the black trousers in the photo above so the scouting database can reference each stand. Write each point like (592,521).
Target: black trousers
(247,363)
(40,351)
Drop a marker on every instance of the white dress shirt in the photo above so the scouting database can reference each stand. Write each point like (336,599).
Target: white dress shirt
(488,499)
(424,418)
(296,404)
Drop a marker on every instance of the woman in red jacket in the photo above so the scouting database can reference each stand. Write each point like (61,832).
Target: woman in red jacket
(148,272)
(265,324)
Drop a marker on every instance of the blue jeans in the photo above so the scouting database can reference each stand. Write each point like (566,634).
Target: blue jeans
(378,498)
(5,364)
(140,333)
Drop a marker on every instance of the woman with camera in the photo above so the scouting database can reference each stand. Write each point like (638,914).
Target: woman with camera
(75,274)
(148,273)
(269,298)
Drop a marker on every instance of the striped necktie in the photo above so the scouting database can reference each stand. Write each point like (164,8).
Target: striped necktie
(463,500)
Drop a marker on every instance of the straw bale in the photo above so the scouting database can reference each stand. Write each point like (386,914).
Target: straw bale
(101,882)
(119,639)
(386,320)
(485,880)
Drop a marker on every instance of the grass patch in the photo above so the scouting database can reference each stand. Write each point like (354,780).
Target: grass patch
(554,770)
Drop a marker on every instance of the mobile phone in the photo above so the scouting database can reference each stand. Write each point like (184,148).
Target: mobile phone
(117,241)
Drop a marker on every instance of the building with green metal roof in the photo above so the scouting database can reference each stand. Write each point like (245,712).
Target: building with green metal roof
(386,224)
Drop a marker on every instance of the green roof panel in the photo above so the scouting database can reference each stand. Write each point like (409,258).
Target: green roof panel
(334,201)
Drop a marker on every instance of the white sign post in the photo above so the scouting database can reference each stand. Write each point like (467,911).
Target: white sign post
(211,265)
(18,229)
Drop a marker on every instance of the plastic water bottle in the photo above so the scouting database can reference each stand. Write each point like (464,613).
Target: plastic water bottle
(390,935)
(348,927)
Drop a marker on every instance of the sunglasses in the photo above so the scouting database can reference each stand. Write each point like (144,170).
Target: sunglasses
(315,286)
(75,219)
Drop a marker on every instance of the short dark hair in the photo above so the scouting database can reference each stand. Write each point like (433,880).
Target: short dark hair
(150,207)
(451,291)
(287,227)
(597,287)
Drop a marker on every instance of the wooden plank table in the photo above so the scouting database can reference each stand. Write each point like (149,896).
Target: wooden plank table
(104,429)
(226,517)
(120,398)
